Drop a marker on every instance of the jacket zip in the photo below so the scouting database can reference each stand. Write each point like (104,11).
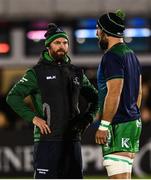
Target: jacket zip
(63,87)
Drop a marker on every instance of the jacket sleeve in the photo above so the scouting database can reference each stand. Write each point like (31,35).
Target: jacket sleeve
(89,92)
(15,98)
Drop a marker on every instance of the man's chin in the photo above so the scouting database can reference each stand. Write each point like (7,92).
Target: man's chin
(59,57)
(60,54)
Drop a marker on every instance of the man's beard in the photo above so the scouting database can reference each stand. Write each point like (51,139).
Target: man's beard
(59,57)
(103,44)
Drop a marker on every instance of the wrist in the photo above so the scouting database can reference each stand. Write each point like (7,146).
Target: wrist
(104,125)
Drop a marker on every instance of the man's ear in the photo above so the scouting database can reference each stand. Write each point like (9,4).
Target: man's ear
(48,49)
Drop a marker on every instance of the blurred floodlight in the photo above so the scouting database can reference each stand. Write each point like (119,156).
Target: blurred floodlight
(36,35)
(4,48)
(137,32)
(85,33)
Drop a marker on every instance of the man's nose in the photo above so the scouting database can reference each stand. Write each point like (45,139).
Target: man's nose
(62,45)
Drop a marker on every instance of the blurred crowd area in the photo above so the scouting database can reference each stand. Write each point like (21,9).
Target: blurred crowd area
(10,120)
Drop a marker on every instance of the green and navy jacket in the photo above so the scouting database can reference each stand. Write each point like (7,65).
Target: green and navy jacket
(120,62)
(54,89)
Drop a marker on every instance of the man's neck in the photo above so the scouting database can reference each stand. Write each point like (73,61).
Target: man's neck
(113,41)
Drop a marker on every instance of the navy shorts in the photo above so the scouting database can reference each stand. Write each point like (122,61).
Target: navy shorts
(57,160)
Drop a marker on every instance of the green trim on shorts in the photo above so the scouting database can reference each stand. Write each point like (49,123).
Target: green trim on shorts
(104,125)
(117,159)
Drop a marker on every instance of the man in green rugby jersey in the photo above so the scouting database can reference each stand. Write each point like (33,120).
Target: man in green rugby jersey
(120,92)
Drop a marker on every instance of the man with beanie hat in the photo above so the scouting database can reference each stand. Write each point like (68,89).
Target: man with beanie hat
(55,85)
(120,92)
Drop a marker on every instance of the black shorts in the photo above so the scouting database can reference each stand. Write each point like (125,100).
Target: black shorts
(57,160)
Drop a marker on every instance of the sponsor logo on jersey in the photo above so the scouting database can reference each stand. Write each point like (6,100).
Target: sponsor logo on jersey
(51,77)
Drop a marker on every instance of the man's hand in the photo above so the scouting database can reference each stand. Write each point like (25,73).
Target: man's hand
(44,128)
(81,122)
(101,136)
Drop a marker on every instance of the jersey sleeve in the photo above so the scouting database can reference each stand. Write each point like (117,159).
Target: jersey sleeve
(113,66)
(24,87)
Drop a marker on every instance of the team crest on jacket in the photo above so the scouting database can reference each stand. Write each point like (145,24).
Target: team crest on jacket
(76,81)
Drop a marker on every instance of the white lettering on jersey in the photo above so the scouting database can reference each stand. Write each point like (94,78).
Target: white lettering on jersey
(51,77)
(125,142)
